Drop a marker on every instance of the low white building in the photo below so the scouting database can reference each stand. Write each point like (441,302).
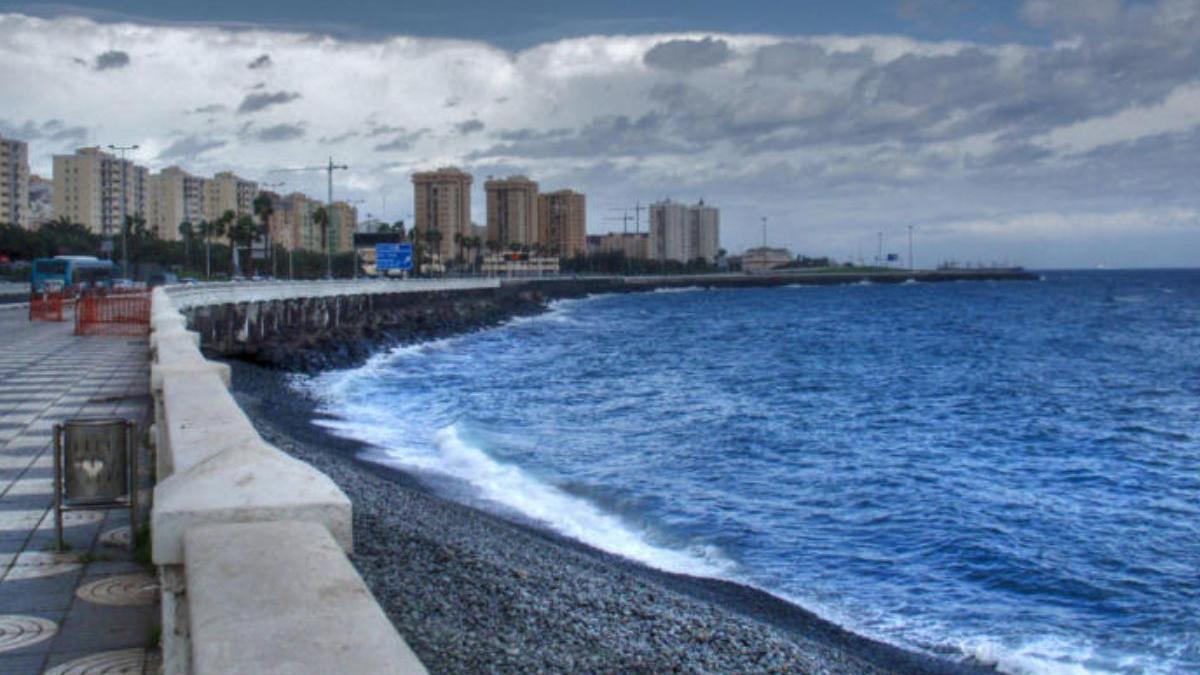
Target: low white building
(764,258)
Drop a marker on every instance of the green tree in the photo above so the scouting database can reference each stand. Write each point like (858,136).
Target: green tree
(241,234)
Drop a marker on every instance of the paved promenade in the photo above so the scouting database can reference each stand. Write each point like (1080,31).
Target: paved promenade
(92,608)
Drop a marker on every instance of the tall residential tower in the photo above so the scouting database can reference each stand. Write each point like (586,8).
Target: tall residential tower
(14,182)
(442,203)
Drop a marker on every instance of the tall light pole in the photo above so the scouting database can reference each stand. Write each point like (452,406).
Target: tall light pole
(124,250)
(764,224)
(329,168)
(910,258)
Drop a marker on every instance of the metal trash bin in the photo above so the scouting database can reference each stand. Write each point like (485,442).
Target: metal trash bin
(95,467)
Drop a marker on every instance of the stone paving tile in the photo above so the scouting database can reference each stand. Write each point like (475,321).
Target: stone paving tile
(49,376)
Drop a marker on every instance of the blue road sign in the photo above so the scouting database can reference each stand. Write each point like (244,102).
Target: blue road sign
(393,257)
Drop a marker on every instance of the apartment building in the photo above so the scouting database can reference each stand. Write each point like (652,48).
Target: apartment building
(227,191)
(176,196)
(89,186)
(41,201)
(635,246)
(684,232)
(442,202)
(562,223)
(512,211)
(14,182)
(343,222)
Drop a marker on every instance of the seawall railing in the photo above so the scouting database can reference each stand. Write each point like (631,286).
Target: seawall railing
(251,543)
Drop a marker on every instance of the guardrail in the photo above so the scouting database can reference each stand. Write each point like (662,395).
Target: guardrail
(250,542)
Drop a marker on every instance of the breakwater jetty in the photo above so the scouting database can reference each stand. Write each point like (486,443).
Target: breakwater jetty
(251,542)
(310,326)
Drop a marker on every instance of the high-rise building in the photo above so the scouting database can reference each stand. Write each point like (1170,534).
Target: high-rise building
(683,233)
(343,222)
(562,223)
(88,187)
(704,231)
(512,211)
(228,192)
(442,203)
(296,230)
(176,196)
(14,182)
(41,201)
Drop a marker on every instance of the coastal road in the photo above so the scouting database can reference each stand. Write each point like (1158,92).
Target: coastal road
(93,604)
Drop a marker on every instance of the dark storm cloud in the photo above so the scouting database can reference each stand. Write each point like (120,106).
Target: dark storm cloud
(606,136)
(469,127)
(279,132)
(340,138)
(112,59)
(795,58)
(256,102)
(209,109)
(50,130)
(402,141)
(263,61)
(190,147)
(377,130)
(685,55)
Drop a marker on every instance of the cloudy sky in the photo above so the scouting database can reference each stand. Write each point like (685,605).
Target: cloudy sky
(1050,133)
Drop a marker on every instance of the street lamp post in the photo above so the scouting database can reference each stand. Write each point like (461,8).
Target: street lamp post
(910,257)
(124,179)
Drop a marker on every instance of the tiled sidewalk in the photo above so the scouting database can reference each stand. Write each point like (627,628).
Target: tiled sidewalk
(92,608)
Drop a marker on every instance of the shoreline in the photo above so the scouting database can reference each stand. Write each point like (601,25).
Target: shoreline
(446,573)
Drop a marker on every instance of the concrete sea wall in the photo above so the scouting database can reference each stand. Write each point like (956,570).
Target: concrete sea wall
(250,543)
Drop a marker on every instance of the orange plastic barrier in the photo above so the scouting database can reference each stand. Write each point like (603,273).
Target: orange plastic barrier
(46,306)
(118,314)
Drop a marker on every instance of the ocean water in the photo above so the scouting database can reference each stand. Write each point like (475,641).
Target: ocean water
(1008,472)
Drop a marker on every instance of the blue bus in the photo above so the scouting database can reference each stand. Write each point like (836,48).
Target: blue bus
(71,272)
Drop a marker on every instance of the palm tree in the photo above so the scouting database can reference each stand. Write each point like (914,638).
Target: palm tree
(321,218)
(187,232)
(208,230)
(264,208)
(458,242)
(241,234)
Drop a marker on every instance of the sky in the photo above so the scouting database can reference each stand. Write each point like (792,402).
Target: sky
(1046,133)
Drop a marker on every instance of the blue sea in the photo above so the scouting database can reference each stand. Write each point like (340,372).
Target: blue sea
(1000,471)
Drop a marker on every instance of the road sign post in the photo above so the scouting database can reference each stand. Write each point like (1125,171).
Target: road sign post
(393,257)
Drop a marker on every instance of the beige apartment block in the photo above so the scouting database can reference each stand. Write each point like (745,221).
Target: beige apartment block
(228,192)
(292,223)
(512,211)
(635,246)
(562,223)
(442,202)
(14,182)
(176,196)
(343,223)
(88,187)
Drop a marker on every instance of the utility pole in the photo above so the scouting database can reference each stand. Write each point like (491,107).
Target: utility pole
(124,179)
(637,210)
(764,224)
(910,257)
(329,169)
(879,255)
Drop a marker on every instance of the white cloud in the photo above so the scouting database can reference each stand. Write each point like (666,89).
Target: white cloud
(832,137)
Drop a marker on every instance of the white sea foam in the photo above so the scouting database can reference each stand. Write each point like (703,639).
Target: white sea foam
(1047,656)
(681,289)
(511,487)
